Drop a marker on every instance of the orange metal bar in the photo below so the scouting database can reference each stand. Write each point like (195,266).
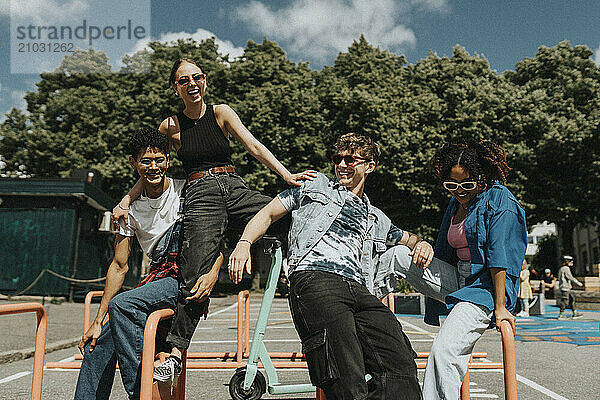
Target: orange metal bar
(146,389)
(465,388)
(290,355)
(40,341)
(320,394)
(87,308)
(389,301)
(182,377)
(243,299)
(510,362)
(473,355)
(472,365)
(235,364)
(247,323)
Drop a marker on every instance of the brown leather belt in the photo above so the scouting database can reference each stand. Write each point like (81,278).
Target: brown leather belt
(216,170)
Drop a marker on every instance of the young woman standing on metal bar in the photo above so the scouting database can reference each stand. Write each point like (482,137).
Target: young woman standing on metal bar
(216,198)
(479,252)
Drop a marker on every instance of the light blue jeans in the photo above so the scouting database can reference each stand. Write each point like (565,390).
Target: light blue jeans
(122,339)
(449,356)
(436,281)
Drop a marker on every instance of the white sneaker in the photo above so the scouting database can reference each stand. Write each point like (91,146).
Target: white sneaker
(523,314)
(168,370)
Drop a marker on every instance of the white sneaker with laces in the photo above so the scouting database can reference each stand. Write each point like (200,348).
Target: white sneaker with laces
(168,370)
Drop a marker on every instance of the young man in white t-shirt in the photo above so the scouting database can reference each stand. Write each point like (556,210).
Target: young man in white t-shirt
(153,219)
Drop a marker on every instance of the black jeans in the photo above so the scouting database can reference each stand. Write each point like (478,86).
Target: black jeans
(566,300)
(347,332)
(212,205)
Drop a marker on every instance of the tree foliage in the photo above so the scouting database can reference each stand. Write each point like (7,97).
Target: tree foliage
(545,114)
(546,255)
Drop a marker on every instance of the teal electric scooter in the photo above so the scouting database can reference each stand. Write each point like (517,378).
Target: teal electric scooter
(249,383)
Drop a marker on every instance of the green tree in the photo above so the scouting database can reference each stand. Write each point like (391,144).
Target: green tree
(547,254)
(81,115)
(276,100)
(562,84)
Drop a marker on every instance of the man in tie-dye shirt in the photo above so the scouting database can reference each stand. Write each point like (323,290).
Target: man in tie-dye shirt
(335,240)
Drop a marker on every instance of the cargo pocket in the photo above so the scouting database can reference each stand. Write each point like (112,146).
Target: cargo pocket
(322,367)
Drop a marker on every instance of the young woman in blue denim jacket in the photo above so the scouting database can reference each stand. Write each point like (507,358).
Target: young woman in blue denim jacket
(478,256)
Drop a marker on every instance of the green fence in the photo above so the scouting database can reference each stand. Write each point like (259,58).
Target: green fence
(32,240)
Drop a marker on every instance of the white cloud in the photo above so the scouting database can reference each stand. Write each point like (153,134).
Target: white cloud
(225,46)
(18,99)
(431,5)
(320,29)
(47,11)
(597,56)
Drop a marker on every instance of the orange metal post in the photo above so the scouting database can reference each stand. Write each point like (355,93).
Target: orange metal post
(390,302)
(465,388)
(510,362)
(40,341)
(243,325)
(247,322)
(148,357)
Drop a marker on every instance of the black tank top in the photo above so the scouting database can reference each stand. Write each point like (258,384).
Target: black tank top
(203,144)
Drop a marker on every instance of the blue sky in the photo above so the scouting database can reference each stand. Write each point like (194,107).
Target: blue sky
(317,30)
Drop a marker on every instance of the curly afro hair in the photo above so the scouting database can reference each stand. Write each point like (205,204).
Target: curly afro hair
(144,138)
(484,160)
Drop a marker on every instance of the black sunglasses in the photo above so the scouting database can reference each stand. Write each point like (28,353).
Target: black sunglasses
(184,80)
(348,159)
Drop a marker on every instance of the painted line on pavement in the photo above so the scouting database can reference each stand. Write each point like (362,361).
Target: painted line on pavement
(224,309)
(415,327)
(540,388)
(15,376)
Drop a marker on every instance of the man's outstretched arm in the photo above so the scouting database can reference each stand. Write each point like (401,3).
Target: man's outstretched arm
(257,227)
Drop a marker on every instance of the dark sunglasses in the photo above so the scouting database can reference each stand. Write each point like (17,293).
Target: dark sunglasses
(348,159)
(452,186)
(184,80)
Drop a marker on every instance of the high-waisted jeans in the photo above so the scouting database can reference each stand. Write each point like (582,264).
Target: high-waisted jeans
(213,204)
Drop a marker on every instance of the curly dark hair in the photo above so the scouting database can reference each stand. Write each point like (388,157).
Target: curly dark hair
(144,138)
(175,67)
(362,144)
(484,160)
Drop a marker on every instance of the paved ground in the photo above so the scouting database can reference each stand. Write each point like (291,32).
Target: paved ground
(546,369)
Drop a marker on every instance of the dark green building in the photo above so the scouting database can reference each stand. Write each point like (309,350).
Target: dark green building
(54,224)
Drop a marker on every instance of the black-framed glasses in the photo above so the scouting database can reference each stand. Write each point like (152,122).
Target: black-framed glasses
(198,78)
(452,186)
(147,162)
(349,159)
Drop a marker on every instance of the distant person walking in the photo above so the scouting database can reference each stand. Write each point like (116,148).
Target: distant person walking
(525,292)
(565,279)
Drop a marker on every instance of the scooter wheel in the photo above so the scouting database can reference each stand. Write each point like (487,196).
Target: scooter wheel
(256,390)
